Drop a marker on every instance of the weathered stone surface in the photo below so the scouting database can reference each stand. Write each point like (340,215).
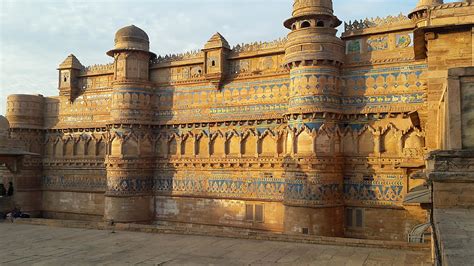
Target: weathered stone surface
(52,246)
(455,232)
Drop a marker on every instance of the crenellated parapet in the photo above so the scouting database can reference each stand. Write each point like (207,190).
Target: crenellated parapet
(98,69)
(368,23)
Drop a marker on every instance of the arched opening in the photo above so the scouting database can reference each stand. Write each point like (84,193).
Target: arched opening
(320,24)
(213,63)
(293,27)
(305,24)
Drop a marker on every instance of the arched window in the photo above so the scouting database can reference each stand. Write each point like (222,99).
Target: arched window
(305,24)
(320,24)
(293,27)
(213,63)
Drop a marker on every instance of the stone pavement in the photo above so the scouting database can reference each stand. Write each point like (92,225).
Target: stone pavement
(455,231)
(43,245)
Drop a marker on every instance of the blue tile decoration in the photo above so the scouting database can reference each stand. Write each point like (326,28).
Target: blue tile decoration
(75,183)
(383,190)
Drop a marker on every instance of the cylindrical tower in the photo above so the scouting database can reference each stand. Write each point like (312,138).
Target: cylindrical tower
(25,111)
(314,55)
(25,114)
(129,161)
(419,13)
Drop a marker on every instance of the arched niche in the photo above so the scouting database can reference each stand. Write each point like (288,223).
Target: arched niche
(366,142)
(173,147)
(323,143)
(187,146)
(116,147)
(389,142)
(218,146)
(100,148)
(130,147)
(414,141)
(58,149)
(80,147)
(233,146)
(146,147)
(68,148)
(249,145)
(161,147)
(203,147)
(267,146)
(348,144)
(89,147)
(49,149)
(290,143)
(305,143)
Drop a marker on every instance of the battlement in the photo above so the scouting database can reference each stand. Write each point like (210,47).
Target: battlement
(98,69)
(367,23)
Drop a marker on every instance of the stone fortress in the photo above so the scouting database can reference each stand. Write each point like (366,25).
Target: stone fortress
(310,134)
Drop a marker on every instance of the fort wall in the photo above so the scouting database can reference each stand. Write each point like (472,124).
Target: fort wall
(310,134)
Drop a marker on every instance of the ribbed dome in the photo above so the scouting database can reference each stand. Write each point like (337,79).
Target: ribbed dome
(131,38)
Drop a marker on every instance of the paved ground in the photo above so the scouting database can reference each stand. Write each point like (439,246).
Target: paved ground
(42,245)
(456,232)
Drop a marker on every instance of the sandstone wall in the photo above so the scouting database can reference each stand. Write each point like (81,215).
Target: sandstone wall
(73,205)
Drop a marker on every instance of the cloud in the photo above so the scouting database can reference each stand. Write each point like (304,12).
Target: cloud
(36,35)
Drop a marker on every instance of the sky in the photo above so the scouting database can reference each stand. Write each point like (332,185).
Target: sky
(37,35)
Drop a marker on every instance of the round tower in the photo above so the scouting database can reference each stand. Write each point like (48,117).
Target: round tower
(314,55)
(423,5)
(129,161)
(131,98)
(25,111)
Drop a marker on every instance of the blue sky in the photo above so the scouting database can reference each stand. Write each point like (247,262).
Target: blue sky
(36,35)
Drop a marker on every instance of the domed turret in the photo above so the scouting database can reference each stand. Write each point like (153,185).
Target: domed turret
(313,33)
(131,38)
(424,5)
(313,49)
(307,9)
